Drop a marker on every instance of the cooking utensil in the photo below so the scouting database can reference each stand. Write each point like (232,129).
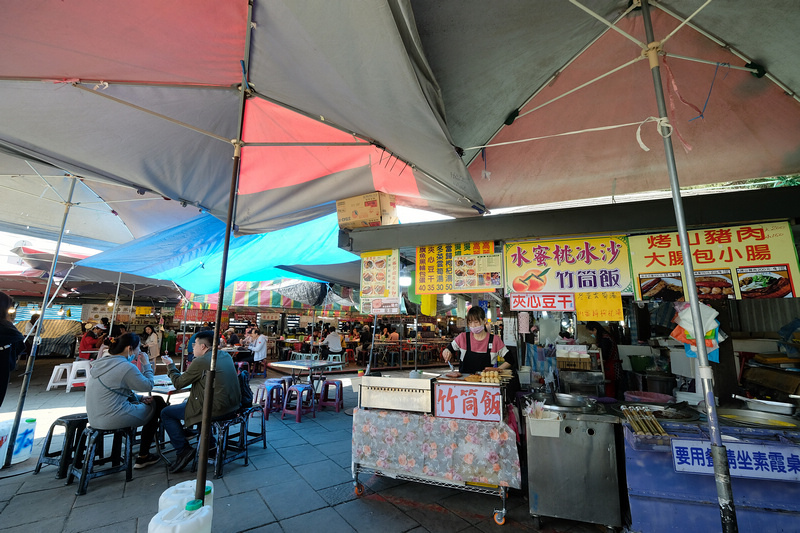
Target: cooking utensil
(451,366)
(767,406)
(571,400)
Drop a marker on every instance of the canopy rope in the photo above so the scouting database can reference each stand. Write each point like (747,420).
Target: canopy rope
(659,123)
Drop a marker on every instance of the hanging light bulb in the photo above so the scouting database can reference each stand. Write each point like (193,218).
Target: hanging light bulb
(446,299)
(489,314)
(13,309)
(61,311)
(110,303)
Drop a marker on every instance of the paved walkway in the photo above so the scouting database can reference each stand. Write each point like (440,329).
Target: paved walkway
(301,482)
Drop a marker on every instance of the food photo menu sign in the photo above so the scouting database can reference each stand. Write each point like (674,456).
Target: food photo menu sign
(754,261)
(379,280)
(458,267)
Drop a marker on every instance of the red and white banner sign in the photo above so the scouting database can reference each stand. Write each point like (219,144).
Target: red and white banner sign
(543,301)
(468,401)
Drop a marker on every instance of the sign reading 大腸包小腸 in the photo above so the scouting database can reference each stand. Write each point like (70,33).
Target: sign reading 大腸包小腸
(754,261)
(458,267)
(568,265)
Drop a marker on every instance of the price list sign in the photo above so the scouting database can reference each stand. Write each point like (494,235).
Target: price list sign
(379,275)
(458,267)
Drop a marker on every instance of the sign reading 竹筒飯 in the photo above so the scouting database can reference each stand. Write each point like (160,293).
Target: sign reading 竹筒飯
(469,401)
(458,267)
(542,301)
(568,265)
(754,261)
(759,461)
(598,306)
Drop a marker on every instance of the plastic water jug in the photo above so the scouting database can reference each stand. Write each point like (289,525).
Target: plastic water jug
(193,518)
(183,493)
(24,443)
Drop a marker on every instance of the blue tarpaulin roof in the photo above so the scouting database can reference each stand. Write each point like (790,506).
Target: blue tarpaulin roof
(191,254)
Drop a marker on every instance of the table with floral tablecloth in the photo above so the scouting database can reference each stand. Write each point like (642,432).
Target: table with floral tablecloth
(445,449)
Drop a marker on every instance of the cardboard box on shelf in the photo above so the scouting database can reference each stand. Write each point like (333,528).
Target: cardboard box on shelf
(373,209)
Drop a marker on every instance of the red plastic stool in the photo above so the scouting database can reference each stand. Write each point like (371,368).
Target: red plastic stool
(350,356)
(337,401)
(297,393)
(270,397)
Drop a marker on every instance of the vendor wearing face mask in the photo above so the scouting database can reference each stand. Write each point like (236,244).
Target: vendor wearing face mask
(478,348)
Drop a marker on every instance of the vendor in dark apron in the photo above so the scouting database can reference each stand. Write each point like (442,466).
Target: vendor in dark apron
(470,343)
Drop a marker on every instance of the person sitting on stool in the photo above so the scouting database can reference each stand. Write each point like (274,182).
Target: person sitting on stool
(332,344)
(227,395)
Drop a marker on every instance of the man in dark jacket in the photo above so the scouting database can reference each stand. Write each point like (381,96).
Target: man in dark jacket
(11,346)
(227,396)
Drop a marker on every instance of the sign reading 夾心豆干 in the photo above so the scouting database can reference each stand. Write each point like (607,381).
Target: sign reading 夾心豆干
(750,460)
(754,261)
(542,301)
(458,267)
(568,265)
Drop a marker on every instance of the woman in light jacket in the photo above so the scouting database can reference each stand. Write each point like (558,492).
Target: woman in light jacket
(110,401)
(152,340)
(258,345)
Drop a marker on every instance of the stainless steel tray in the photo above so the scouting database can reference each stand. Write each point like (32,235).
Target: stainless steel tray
(748,418)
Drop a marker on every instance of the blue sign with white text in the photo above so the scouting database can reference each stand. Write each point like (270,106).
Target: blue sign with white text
(759,461)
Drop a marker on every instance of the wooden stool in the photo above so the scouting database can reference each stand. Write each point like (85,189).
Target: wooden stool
(90,447)
(73,428)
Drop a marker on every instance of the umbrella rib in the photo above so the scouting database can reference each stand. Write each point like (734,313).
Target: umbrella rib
(609,24)
(306,144)
(153,113)
(63,200)
(684,23)
(708,62)
(579,87)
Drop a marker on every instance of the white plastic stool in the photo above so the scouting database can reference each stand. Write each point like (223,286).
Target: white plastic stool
(335,357)
(74,380)
(59,376)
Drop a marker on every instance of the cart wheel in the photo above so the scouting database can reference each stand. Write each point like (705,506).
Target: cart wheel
(359,489)
(499,518)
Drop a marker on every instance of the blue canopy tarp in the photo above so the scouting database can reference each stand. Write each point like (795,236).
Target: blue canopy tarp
(191,254)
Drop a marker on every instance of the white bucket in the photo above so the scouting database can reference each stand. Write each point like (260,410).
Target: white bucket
(183,493)
(23,447)
(177,519)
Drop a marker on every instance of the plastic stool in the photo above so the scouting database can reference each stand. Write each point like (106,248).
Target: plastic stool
(252,435)
(335,357)
(297,392)
(337,401)
(89,454)
(59,375)
(73,428)
(269,397)
(230,445)
(350,356)
(73,380)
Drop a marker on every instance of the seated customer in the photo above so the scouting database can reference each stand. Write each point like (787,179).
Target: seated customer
(227,395)
(110,401)
(91,341)
(393,335)
(332,344)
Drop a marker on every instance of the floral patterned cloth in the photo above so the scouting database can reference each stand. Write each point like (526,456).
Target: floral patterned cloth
(439,448)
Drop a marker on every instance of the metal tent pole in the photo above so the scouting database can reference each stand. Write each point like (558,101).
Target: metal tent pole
(130,311)
(719,453)
(205,433)
(114,309)
(26,382)
(371,345)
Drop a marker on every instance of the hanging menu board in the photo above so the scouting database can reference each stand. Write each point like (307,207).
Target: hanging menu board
(379,278)
(754,261)
(458,267)
(568,265)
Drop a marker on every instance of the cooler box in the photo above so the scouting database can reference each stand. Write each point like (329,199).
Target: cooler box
(667,493)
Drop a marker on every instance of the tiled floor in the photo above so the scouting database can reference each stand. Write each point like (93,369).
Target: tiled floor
(301,482)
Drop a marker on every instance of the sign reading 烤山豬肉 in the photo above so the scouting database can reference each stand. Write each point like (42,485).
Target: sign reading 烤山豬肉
(568,265)
(753,261)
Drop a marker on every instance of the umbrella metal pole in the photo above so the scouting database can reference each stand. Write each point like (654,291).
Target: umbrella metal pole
(130,311)
(727,509)
(26,382)
(205,433)
(114,309)
(372,344)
